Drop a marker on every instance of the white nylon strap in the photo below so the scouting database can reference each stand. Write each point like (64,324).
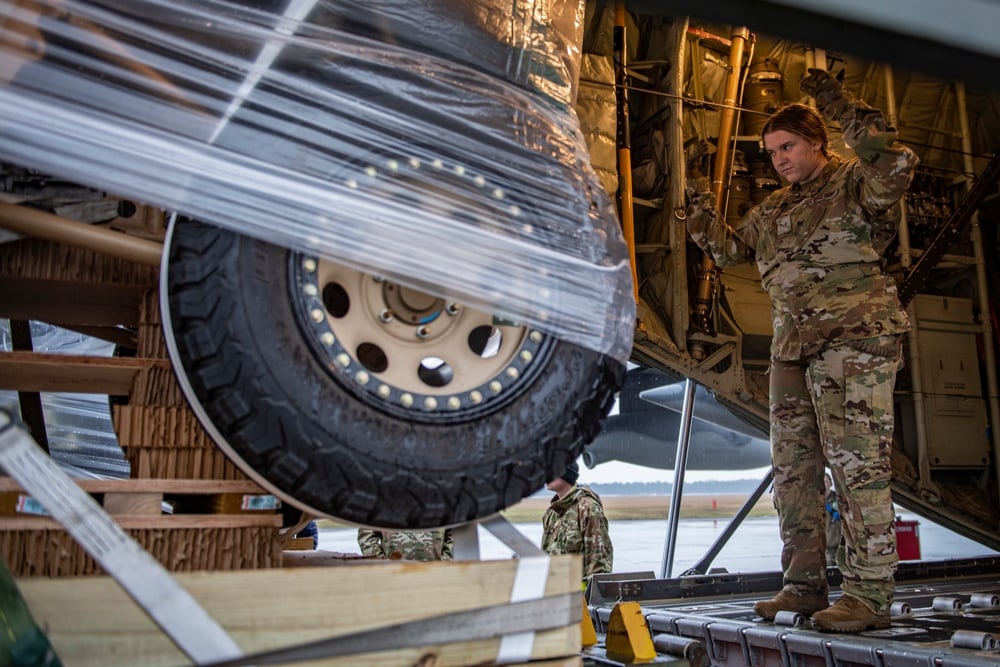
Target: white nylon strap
(529,584)
(168,604)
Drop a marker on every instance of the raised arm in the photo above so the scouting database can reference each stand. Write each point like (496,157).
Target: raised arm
(885,166)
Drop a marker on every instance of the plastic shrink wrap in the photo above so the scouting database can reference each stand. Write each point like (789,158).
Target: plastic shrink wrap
(80,435)
(434,143)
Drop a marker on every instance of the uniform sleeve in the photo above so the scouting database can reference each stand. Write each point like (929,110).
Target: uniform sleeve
(448,546)
(707,229)
(370,542)
(547,520)
(885,167)
(598,552)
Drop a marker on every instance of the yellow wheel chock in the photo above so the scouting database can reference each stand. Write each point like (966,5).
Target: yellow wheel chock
(628,639)
(588,635)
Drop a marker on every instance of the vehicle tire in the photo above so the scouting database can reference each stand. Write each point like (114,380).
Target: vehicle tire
(295,372)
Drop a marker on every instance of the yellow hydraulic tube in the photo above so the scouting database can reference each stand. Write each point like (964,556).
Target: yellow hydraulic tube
(39,224)
(727,122)
(624,144)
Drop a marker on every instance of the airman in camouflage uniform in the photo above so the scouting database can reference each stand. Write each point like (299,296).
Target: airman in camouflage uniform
(574,523)
(406,544)
(838,326)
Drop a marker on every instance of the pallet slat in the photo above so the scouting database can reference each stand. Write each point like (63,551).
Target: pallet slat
(189,486)
(234,545)
(91,621)
(37,371)
(211,527)
(161,522)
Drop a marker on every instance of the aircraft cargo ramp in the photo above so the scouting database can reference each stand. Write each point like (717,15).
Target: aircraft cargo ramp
(352,190)
(946,613)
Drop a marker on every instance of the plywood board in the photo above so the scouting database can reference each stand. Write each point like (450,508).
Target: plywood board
(92,622)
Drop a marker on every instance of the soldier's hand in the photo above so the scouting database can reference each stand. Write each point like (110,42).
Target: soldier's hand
(695,153)
(696,185)
(695,180)
(818,84)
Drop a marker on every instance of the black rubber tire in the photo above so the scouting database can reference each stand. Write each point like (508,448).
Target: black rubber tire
(288,422)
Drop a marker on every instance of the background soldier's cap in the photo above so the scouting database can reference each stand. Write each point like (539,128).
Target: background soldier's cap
(572,473)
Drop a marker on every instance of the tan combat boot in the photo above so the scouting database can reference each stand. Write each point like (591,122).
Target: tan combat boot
(849,614)
(788,601)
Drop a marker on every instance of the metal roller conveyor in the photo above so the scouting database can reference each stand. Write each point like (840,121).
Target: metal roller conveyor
(945,603)
(980,641)
(986,600)
(791,618)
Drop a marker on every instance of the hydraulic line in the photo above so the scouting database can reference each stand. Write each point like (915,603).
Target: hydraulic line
(43,225)
(624,142)
(708,273)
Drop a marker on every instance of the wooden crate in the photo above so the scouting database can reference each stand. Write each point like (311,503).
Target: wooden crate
(156,384)
(74,288)
(169,442)
(215,525)
(150,333)
(159,433)
(92,622)
(166,447)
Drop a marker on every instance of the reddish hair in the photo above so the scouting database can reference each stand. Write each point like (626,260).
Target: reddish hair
(801,120)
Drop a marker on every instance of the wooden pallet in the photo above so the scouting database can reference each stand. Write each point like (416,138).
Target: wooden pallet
(169,442)
(172,459)
(73,287)
(91,622)
(37,371)
(211,525)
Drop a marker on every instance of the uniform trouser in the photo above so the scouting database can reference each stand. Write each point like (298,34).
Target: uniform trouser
(835,409)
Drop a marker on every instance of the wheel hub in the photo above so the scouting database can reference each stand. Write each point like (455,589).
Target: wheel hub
(408,350)
(408,314)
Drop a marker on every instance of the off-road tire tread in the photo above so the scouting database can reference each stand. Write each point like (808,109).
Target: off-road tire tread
(288,420)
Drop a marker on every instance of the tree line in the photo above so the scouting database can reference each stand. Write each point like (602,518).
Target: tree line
(740,486)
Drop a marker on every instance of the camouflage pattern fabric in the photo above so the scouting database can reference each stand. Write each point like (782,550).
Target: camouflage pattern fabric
(406,544)
(835,351)
(576,524)
(818,245)
(849,430)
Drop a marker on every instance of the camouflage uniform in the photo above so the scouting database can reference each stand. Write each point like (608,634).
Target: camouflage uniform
(576,524)
(406,544)
(836,346)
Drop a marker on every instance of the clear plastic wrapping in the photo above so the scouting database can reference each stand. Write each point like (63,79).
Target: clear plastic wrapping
(80,433)
(433,143)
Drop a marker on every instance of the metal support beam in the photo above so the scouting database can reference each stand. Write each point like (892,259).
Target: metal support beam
(680,465)
(701,567)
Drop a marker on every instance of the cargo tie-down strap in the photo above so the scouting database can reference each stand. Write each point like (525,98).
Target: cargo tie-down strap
(529,580)
(203,640)
(529,584)
(166,602)
(545,613)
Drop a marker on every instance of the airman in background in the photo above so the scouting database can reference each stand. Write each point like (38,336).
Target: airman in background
(406,544)
(574,523)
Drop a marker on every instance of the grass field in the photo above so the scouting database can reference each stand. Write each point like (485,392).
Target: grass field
(618,508)
(651,507)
